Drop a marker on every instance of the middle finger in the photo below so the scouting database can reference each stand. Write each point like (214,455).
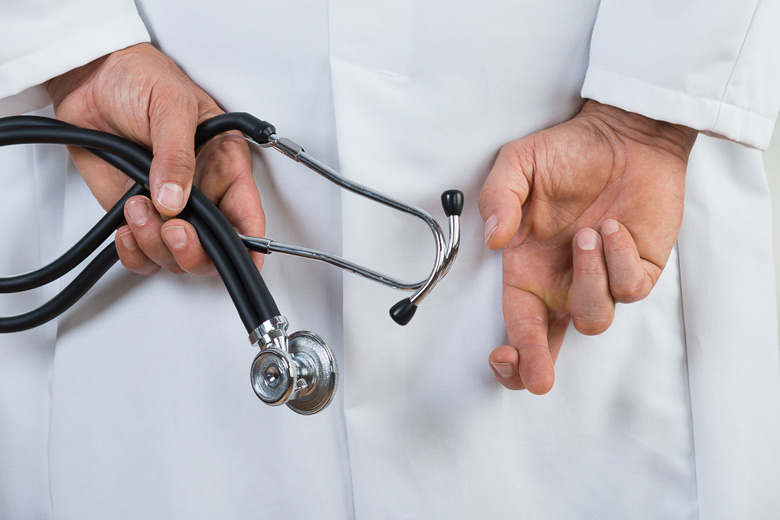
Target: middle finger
(592,306)
(146,224)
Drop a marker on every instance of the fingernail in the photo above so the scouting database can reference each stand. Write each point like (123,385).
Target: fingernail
(586,240)
(609,227)
(137,212)
(128,240)
(491,225)
(175,237)
(171,196)
(505,370)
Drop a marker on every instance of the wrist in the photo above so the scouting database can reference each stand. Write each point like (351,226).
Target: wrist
(61,86)
(674,138)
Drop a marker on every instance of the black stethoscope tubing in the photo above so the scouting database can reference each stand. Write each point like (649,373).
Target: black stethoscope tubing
(79,252)
(239,274)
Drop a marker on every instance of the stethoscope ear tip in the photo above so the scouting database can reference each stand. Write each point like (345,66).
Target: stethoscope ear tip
(452,202)
(403,311)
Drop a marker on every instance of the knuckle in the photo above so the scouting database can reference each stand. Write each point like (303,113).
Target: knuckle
(138,263)
(593,321)
(593,269)
(252,225)
(630,291)
(177,163)
(524,349)
(175,269)
(508,152)
(147,236)
(233,145)
(171,93)
(207,107)
(191,259)
(155,250)
(620,252)
(194,263)
(526,323)
(169,263)
(518,153)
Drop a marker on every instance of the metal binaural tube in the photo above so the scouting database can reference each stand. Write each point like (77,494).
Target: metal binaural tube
(267,246)
(445,250)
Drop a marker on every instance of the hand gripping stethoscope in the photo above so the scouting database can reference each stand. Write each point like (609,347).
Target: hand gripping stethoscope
(299,369)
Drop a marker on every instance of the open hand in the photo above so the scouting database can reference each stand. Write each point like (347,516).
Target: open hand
(140,94)
(587,213)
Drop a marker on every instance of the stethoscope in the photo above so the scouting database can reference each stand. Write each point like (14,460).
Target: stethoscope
(296,369)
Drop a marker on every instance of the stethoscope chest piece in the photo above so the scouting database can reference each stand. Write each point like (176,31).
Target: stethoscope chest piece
(318,373)
(299,371)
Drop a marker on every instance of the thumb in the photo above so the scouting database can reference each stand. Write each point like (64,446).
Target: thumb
(504,193)
(172,125)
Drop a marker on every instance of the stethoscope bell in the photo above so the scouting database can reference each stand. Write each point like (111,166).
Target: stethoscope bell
(299,371)
(273,375)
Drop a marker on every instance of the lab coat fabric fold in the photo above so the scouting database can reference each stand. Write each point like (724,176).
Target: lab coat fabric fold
(719,77)
(136,402)
(46,38)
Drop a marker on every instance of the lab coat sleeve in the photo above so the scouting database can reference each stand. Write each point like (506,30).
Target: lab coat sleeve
(713,65)
(41,39)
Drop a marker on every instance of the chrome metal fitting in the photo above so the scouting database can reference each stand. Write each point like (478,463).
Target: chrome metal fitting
(271,333)
(299,371)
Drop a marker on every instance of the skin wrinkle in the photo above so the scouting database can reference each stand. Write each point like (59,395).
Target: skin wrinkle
(648,133)
(603,164)
(562,212)
(524,184)
(520,322)
(140,94)
(636,292)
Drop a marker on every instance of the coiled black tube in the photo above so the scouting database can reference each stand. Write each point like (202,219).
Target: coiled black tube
(257,130)
(244,283)
(76,254)
(65,298)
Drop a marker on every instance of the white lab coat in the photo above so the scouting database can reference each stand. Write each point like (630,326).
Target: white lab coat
(136,403)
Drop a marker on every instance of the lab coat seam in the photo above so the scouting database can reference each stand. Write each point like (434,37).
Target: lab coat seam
(688,386)
(722,102)
(39,65)
(49,329)
(350,485)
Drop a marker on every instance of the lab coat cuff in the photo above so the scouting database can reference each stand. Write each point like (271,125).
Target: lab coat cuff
(21,85)
(710,116)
